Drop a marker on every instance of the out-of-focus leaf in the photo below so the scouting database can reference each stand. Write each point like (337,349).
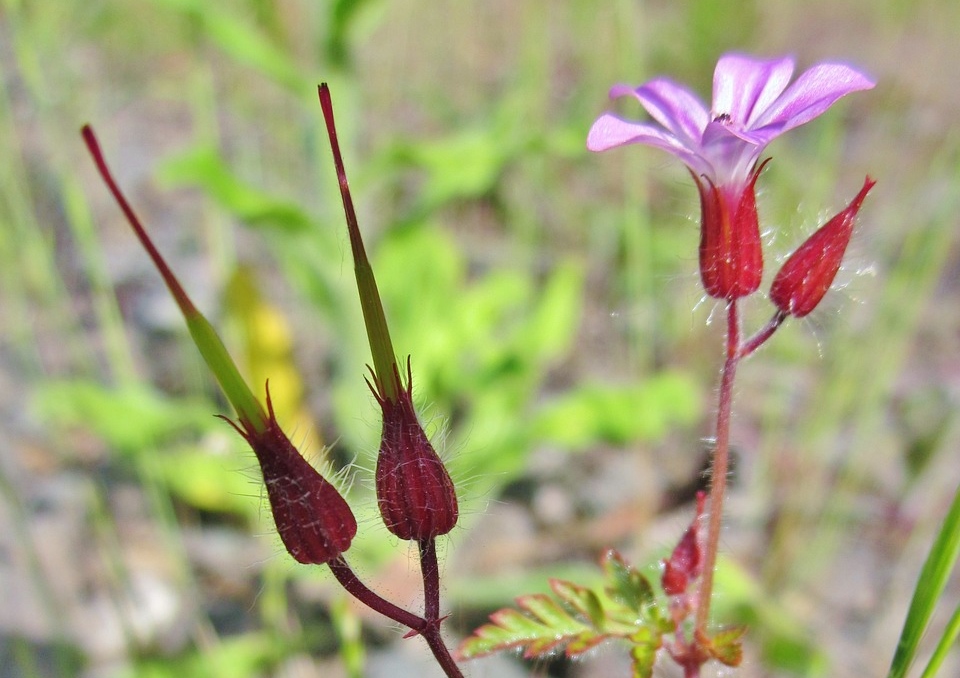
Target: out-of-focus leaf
(644,651)
(248,654)
(130,418)
(209,482)
(726,646)
(242,41)
(619,414)
(552,324)
(203,167)
(344,16)
(268,356)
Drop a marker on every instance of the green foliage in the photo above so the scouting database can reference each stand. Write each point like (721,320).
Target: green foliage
(249,654)
(930,585)
(241,40)
(578,618)
(619,414)
(130,419)
(202,166)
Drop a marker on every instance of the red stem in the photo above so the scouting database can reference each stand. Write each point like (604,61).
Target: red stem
(431,580)
(757,340)
(183,301)
(736,351)
(429,629)
(721,462)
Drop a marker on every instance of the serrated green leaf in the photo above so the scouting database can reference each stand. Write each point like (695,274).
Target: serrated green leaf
(627,585)
(646,642)
(726,646)
(583,642)
(544,626)
(582,599)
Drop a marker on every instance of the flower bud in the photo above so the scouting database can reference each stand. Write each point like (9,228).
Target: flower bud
(731,256)
(314,521)
(807,275)
(414,491)
(685,564)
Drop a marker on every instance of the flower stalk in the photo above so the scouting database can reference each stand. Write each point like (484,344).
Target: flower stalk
(721,146)
(415,494)
(314,522)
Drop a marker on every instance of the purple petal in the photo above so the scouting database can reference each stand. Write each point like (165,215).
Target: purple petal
(609,131)
(673,106)
(744,87)
(813,93)
(732,153)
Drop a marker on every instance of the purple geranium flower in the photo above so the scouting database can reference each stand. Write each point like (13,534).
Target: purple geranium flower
(752,105)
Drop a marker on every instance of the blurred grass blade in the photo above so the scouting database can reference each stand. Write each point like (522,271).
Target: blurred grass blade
(946,643)
(930,584)
(242,41)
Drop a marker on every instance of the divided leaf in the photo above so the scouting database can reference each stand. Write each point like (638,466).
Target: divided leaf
(578,618)
(726,646)
(545,626)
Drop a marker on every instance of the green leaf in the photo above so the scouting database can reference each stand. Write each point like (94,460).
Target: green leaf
(626,585)
(242,41)
(130,419)
(930,584)
(203,167)
(582,599)
(586,618)
(946,643)
(646,642)
(544,626)
(619,414)
(727,647)
(209,482)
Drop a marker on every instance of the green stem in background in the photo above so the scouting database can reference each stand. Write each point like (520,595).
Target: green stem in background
(933,578)
(384,359)
(204,336)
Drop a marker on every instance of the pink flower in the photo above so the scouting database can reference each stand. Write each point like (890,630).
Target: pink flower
(752,106)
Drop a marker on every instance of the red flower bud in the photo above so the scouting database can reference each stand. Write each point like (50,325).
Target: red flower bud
(731,256)
(807,275)
(315,523)
(414,491)
(686,562)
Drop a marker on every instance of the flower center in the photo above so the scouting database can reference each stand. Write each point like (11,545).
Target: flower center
(723,118)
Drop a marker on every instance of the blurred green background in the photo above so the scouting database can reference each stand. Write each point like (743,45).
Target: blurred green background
(563,355)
